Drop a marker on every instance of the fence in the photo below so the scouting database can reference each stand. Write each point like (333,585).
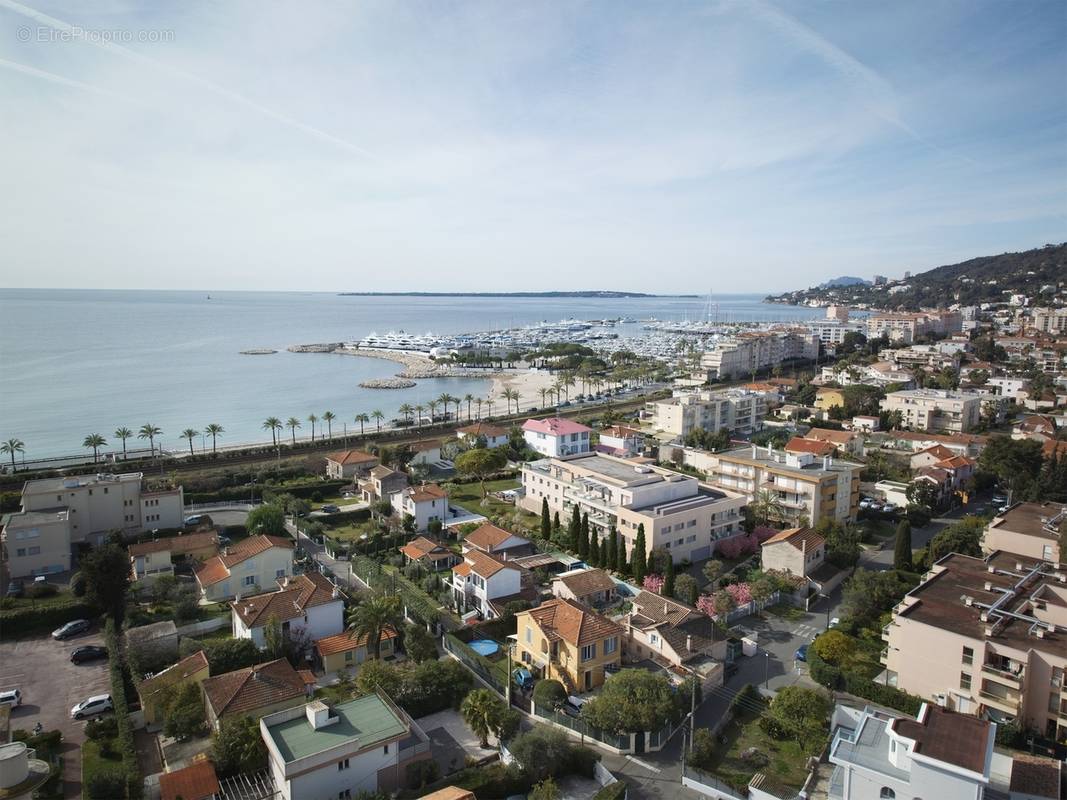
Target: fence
(709,785)
(752,607)
(619,742)
(418,604)
(235,505)
(207,626)
(475,662)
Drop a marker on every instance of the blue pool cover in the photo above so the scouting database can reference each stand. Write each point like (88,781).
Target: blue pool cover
(484,647)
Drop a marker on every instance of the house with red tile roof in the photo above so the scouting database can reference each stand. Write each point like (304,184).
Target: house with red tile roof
(154,689)
(432,555)
(350,464)
(245,567)
(497,542)
(197,781)
(557,436)
(254,691)
(848,442)
(493,435)
(347,649)
(485,584)
(930,456)
(565,641)
(425,503)
(798,551)
(149,560)
(307,607)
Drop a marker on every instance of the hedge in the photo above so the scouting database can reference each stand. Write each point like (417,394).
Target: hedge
(26,621)
(239,493)
(833,677)
(613,791)
(127,749)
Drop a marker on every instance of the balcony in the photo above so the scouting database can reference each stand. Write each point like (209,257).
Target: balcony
(885,631)
(1004,676)
(1005,701)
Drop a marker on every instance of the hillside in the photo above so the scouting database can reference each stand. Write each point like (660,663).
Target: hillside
(988,279)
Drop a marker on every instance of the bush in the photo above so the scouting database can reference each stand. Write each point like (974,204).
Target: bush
(549,693)
(26,621)
(613,791)
(421,773)
(546,751)
(107,785)
(103,728)
(127,750)
(77,584)
(882,695)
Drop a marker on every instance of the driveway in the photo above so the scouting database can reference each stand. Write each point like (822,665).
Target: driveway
(50,685)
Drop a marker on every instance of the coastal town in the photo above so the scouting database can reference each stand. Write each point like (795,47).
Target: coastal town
(817,559)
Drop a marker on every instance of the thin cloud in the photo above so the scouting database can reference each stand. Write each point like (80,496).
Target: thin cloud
(14,66)
(215,88)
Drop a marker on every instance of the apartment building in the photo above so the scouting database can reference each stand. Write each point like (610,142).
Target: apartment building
(758,350)
(1028,529)
(1050,320)
(883,755)
(679,513)
(906,327)
(364,745)
(562,640)
(734,409)
(806,486)
(831,332)
(986,636)
(935,410)
(556,436)
(921,356)
(58,513)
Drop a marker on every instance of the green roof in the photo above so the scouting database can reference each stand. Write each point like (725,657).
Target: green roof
(362,722)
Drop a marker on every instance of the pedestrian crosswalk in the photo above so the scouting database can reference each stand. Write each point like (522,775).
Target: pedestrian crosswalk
(806,631)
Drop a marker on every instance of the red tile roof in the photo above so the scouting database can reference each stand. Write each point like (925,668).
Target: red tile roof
(421,547)
(251,688)
(799,445)
(348,640)
(425,493)
(800,538)
(488,537)
(218,568)
(197,781)
(292,600)
(347,457)
(481,564)
(572,622)
(482,429)
(827,435)
(178,545)
(555,426)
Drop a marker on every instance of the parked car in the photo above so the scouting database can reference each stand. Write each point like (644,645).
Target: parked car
(15,588)
(875,506)
(801,654)
(522,678)
(88,653)
(572,706)
(195,519)
(889,508)
(71,629)
(11,697)
(225,541)
(330,508)
(729,670)
(999,499)
(835,622)
(865,503)
(93,707)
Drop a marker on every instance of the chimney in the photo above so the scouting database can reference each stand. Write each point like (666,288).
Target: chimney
(689,643)
(666,608)
(754,448)
(335,593)
(318,715)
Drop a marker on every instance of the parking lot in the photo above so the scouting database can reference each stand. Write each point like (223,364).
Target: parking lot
(50,685)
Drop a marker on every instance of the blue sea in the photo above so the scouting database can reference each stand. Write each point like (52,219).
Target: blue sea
(77,362)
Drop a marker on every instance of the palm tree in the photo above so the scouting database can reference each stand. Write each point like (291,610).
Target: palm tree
(370,619)
(766,506)
(481,711)
(489,402)
(312,419)
(419,408)
(444,399)
(479,401)
(405,410)
(378,416)
(190,434)
(512,394)
(468,399)
(544,390)
(12,446)
(95,441)
(432,405)
(328,417)
(272,424)
(123,433)
(361,418)
(215,430)
(293,423)
(457,401)
(150,432)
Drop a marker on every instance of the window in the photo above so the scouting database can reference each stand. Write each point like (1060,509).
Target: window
(887,793)
(35,551)
(250,580)
(385,751)
(20,552)
(529,635)
(610,645)
(965,681)
(348,655)
(968,655)
(279,573)
(589,652)
(342,765)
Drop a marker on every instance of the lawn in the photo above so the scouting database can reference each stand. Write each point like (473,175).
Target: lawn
(878,529)
(469,496)
(61,600)
(93,762)
(352,530)
(783,761)
(786,611)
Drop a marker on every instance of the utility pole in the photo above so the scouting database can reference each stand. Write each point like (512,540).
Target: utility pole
(692,719)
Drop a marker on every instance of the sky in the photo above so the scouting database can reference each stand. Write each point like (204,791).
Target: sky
(392,145)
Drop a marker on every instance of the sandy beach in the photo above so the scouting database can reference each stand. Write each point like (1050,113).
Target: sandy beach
(528,384)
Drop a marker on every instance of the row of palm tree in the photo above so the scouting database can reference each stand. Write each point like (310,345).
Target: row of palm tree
(147,431)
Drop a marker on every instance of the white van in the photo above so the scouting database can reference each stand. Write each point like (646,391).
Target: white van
(11,697)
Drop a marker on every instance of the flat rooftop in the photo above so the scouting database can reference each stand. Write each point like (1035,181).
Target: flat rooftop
(78,481)
(941,601)
(617,471)
(39,517)
(1031,519)
(869,747)
(361,722)
(777,460)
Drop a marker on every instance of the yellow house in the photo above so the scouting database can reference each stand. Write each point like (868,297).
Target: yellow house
(346,650)
(154,691)
(828,398)
(565,641)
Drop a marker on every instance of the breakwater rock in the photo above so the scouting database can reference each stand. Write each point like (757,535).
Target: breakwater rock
(327,347)
(387,383)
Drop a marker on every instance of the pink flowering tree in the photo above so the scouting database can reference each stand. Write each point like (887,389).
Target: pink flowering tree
(740,592)
(763,533)
(653,583)
(706,605)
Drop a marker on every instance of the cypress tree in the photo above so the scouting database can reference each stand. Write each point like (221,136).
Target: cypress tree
(902,551)
(583,538)
(574,530)
(609,558)
(638,562)
(546,520)
(555,524)
(594,550)
(620,562)
(668,574)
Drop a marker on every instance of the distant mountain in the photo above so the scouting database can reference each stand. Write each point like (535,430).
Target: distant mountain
(988,279)
(844,280)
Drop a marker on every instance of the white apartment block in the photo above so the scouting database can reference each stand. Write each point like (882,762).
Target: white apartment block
(832,331)
(935,410)
(679,513)
(423,504)
(557,436)
(907,327)
(1050,320)
(58,513)
(734,409)
(757,350)
(805,485)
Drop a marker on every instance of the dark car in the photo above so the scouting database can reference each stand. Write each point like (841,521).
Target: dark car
(15,588)
(71,629)
(330,508)
(802,653)
(88,653)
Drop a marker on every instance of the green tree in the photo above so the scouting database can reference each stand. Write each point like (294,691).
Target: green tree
(13,446)
(963,537)
(419,644)
(121,433)
(545,790)
(556,526)
(834,646)
(328,417)
(267,519)
(292,424)
(686,589)
(480,463)
(723,602)
(549,693)
(150,432)
(574,529)
(272,424)
(800,712)
(668,574)
(107,578)
(546,520)
(868,594)
(594,550)
(922,493)
(362,419)
(638,558)
(190,434)
(583,537)
(95,441)
(902,549)
(238,747)
(633,700)
(1015,462)
(214,430)
(712,570)
(185,713)
(702,752)
(313,418)
(379,675)
(611,546)
(481,710)
(542,751)
(622,566)
(372,617)
(766,507)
